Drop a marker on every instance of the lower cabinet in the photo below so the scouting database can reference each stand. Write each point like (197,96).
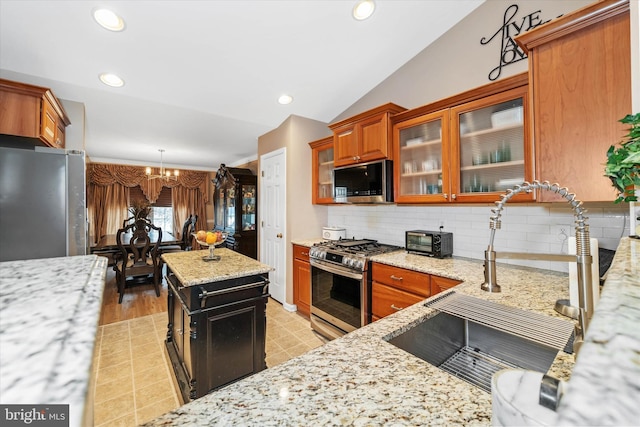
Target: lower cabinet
(216,332)
(301,279)
(395,288)
(439,284)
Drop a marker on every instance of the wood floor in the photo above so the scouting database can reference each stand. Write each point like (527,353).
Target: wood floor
(138,301)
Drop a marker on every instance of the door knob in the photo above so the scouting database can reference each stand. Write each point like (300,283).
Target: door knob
(279,235)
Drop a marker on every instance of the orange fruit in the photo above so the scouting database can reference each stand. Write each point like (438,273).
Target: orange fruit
(211,238)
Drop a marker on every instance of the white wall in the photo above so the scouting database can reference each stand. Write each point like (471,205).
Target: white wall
(531,227)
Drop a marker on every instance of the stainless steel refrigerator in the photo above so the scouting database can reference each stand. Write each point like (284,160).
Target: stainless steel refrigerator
(43,211)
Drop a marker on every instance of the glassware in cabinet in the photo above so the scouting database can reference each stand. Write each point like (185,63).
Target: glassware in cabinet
(420,157)
(322,170)
(248,207)
(491,145)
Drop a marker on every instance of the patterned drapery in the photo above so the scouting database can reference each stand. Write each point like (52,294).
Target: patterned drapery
(129,176)
(108,183)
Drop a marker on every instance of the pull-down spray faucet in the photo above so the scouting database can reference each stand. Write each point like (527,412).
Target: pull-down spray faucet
(582,258)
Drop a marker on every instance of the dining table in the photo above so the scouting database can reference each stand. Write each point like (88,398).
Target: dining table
(107,243)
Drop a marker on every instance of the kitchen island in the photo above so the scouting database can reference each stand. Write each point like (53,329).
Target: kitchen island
(49,312)
(361,379)
(217,326)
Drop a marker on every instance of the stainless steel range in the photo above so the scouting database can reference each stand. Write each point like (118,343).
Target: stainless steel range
(339,293)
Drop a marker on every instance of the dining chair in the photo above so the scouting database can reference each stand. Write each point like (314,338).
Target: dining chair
(139,256)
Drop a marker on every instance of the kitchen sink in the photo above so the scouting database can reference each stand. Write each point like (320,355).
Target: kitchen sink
(473,343)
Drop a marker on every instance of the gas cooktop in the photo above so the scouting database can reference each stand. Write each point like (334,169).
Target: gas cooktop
(350,253)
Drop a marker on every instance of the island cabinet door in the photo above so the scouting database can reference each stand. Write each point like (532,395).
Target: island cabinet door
(231,343)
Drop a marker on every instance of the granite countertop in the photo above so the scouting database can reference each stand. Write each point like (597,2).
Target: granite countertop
(49,312)
(605,384)
(307,242)
(191,269)
(360,379)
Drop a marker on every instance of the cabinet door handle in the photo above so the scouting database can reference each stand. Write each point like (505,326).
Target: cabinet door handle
(279,235)
(396,308)
(393,277)
(453,196)
(445,195)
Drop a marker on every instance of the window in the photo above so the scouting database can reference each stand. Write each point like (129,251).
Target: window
(161,211)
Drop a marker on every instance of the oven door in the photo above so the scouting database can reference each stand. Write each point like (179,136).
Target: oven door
(336,299)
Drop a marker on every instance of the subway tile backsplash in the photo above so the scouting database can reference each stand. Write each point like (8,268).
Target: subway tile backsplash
(533,227)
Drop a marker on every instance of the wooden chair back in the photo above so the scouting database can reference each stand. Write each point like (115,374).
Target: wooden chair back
(140,252)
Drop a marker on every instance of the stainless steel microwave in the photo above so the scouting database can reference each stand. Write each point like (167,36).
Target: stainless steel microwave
(364,183)
(438,244)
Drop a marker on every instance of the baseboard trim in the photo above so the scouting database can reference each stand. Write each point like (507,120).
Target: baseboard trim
(290,307)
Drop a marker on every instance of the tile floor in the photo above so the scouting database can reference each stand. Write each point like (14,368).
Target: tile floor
(134,381)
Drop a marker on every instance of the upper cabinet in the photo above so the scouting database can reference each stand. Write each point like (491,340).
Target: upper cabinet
(365,137)
(581,86)
(32,112)
(467,148)
(322,171)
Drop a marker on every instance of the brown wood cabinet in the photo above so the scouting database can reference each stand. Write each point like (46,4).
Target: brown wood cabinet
(322,171)
(301,279)
(32,112)
(365,137)
(466,148)
(580,72)
(394,288)
(439,284)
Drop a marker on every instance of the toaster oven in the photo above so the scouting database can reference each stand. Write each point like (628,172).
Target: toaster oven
(438,244)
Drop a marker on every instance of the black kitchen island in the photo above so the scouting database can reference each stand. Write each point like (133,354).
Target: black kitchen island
(217,324)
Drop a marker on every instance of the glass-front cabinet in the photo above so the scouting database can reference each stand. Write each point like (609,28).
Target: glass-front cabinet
(322,171)
(470,152)
(248,207)
(236,208)
(422,159)
(491,145)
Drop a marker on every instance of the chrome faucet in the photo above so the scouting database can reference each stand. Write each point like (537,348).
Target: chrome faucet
(582,258)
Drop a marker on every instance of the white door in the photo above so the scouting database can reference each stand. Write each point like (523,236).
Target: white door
(273,216)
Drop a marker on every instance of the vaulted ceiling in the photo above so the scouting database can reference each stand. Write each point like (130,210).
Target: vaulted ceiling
(202,78)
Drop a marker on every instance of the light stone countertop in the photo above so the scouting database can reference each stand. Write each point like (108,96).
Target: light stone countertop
(307,242)
(49,313)
(191,269)
(360,379)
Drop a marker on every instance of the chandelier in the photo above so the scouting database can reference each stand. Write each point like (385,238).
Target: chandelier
(164,174)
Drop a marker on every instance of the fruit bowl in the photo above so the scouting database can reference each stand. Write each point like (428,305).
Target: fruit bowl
(222,237)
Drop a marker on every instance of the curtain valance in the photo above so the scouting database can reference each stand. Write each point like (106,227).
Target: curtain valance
(103,174)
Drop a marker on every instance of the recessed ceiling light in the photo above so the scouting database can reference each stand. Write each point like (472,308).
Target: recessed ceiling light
(108,19)
(111,80)
(285,99)
(363,9)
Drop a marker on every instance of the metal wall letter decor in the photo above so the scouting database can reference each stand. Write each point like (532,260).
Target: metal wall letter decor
(510,52)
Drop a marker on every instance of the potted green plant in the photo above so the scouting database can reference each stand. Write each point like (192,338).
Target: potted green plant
(623,162)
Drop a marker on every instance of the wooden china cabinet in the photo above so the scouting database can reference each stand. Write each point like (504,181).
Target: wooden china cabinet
(467,148)
(322,171)
(364,137)
(32,112)
(235,207)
